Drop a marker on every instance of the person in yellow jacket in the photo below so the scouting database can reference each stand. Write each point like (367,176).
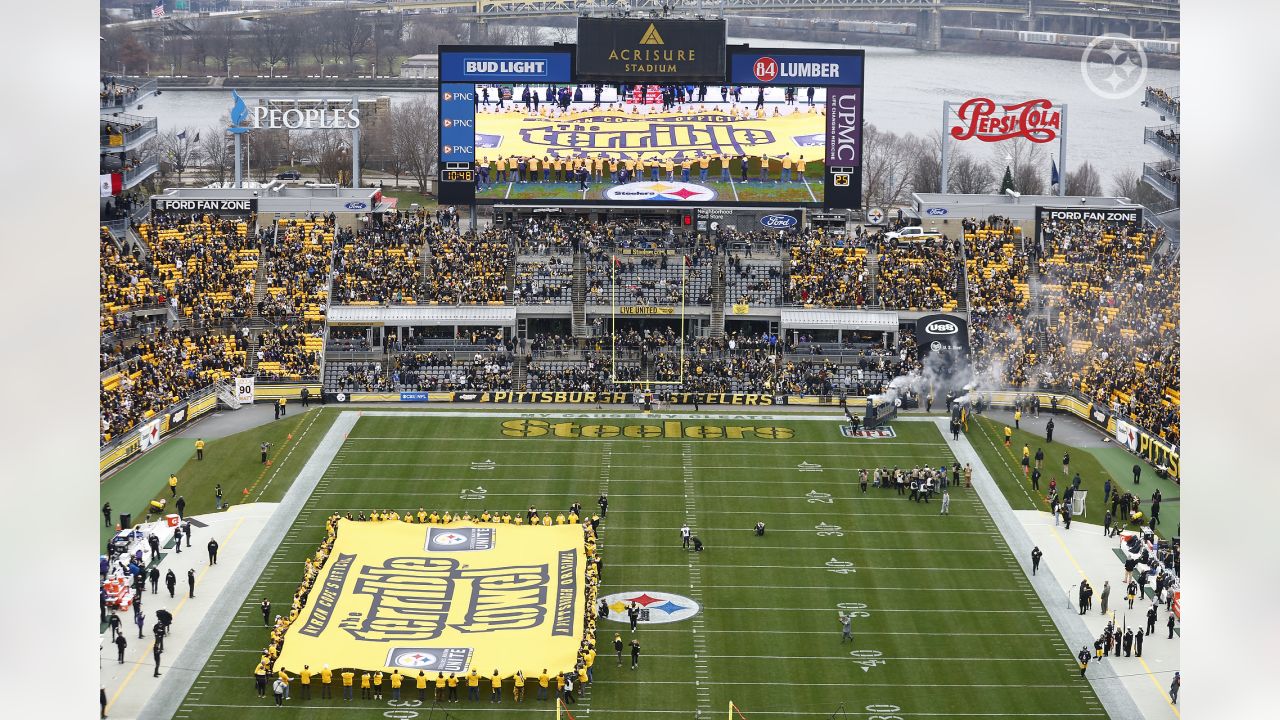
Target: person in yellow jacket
(173,484)
(377,685)
(283,409)
(326,680)
(518,520)
(366,691)
(1008,436)
(199,448)
(396,680)
(473,686)
(546,520)
(453,687)
(560,519)
(496,683)
(304,679)
(434,518)
(447,518)
(422,516)
(517,690)
(440,683)
(348,679)
(408,516)
(544,683)
(421,682)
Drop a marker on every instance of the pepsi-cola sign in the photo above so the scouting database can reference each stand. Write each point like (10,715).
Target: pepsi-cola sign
(986,120)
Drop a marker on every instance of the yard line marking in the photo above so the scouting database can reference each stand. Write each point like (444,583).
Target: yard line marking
(801,567)
(701,675)
(347,707)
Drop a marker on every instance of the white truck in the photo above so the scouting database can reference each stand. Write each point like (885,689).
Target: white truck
(914,233)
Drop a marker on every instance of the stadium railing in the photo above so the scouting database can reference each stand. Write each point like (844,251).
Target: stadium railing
(125,444)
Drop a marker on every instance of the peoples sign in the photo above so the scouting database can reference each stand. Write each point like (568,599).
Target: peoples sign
(989,121)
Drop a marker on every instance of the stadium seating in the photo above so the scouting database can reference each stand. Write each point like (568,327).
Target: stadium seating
(544,280)
(918,276)
(206,265)
(469,268)
(123,284)
(827,273)
(383,265)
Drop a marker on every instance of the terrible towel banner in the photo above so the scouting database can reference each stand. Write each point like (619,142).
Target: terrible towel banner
(626,136)
(444,598)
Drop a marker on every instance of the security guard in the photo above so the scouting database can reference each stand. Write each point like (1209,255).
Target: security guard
(199,448)
(283,410)
(173,485)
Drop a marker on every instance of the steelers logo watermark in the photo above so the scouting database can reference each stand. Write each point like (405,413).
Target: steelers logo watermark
(449,539)
(1113,66)
(654,607)
(661,192)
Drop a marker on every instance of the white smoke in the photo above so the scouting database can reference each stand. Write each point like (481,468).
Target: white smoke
(933,376)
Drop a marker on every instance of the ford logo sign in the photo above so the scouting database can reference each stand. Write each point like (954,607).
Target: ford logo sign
(941,327)
(778,221)
(936,211)
(356,205)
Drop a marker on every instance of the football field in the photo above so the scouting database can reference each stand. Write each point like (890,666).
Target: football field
(946,625)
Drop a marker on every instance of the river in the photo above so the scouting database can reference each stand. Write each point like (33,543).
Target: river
(904,93)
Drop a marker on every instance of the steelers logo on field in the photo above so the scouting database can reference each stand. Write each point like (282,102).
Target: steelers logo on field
(661,192)
(451,538)
(415,659)
(656,607)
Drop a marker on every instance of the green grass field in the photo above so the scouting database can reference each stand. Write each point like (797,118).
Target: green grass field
(947,624)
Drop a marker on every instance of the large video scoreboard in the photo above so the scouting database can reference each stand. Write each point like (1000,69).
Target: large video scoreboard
(651,112)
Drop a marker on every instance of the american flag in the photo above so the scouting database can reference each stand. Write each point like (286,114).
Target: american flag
(158,10)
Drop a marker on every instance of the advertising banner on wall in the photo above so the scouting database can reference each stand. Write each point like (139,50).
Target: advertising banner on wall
(222,206)
(945,338)
(612,49)
(785,66)
(457,122)
(244,389)
(479,66)
(843,181)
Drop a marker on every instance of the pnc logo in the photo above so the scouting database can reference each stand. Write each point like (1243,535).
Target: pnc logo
(941,327)
(651,37)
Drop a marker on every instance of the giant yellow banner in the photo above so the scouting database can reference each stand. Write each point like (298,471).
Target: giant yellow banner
(444,598)
(615,133)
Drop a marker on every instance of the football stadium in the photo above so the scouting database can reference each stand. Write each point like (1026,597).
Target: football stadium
(649,373)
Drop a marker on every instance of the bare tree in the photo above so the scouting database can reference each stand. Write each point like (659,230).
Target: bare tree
(178,150)
(1084,180)
(329,151)
(414,137)
(175,45)
(219,40)
(926,166)
(970,177)
(1128,183)
(216,152)
(887,164)
(272,39)
(1027,160)
(352,34)
(385,39)
(268,149)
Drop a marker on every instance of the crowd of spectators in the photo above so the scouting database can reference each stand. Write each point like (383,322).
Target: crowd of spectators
(290,352)
(1164,96)
(159,370)
(1172,137)
(593,373)
(826,273)
(296,269)
(383,264)
(123,283)
(753,283)
(469,267)
(918,276)
(207,265)
(547,280)
(1106,323)
(113,92)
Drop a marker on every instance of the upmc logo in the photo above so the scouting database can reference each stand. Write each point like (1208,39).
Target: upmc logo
(765,69)
(844,126)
